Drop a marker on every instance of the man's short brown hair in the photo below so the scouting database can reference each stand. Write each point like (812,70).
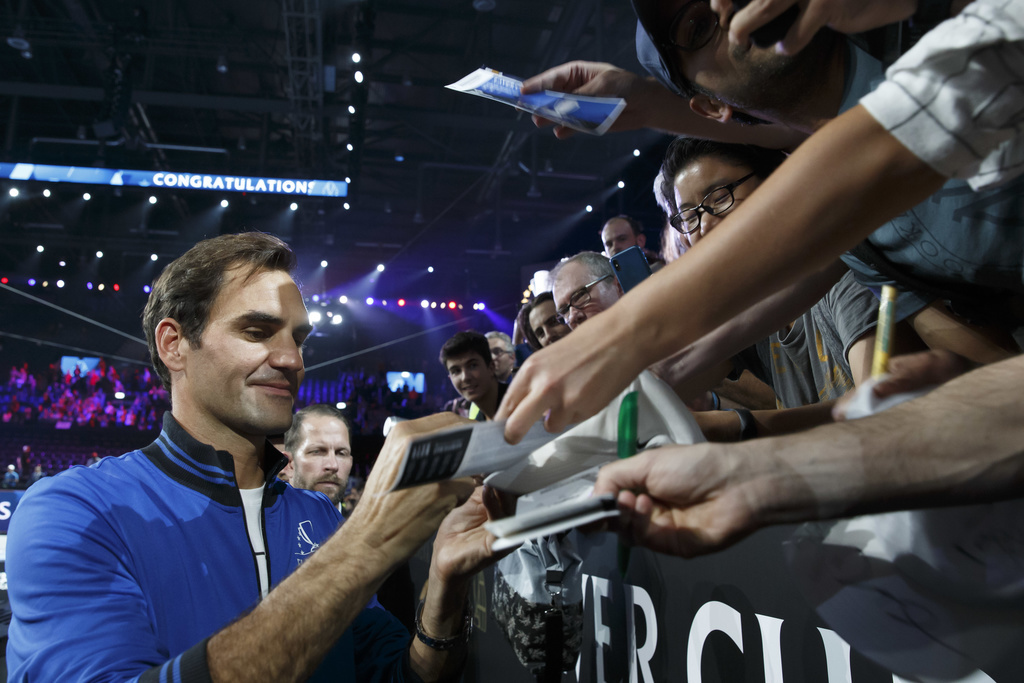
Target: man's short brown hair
(188,286)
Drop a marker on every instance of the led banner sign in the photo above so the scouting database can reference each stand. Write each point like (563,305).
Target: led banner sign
(191,181)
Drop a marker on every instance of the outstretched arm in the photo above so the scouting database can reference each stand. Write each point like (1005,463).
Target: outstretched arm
(959,444)
(796,223)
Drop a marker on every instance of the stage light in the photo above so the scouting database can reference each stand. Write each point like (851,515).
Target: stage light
(147,289)
(46,193)
(153,257)
(590,208)
(401,302)
(60,284)
(88,285)
(351,109)
(433,304)
(349,147)
(100,287)
(460,307)
(323,264)
(444,305)
(86,196)
(380,267)
(369,301)
(342,299)
(356,57)
(358,76)
(399,157)
(636,152)
(316,298)
(40,249)
(348,180)
(13,192)
(315,317)
(336,319)
(621,184)
(152,199)
(294,206)
(384,302)
(46,283)
(62,263)
(117,287)
(31,282)
(223,203)
(4,280)
(119,395)
(99,254)
(482,307)
(424,304)
(341,405)
(430,269)
(451,304)
(347,206)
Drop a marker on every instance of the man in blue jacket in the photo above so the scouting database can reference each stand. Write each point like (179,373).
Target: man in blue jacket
(189,560)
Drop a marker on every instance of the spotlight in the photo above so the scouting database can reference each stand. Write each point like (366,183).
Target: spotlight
(401,303)
(336,319)
(40,249)
(636,152)
(100,287)
(347,206)
(380,267)
(351,109)
(482,307)
(99,254)
(323,264)
(117,287)
(119,395)
(46,283)
(349,147)
(147,289)
(358,76)
(384,302)
(460,307)
(424,304)
(4,280)
(399,157)
(153,257)
(14,192)
(356,57)
(590,208)
(369,301)
(152,199)
(430,269)
(433,304)
(342,299)
(341,405)
(86,196)
(348,180)
(316,298)
(223,203)
(46,193)
(621,184)
(294,206)
(63,263)
(88,285)
(451,304)
(444,305)
(222,64)
(315,317)
(60,284)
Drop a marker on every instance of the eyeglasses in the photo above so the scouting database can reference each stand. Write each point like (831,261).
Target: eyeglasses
(500,352)
(693,27)
(579,299)
(716,202)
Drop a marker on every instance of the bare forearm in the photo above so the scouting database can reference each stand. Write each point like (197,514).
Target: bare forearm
(287,635)
(443,616)
(960,444)
(783,231)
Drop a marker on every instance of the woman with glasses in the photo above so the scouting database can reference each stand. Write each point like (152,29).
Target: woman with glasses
(819,356)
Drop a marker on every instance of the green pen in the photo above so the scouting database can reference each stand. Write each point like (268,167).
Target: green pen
(628,412)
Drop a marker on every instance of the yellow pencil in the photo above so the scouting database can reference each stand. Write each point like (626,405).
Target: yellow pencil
(883,334)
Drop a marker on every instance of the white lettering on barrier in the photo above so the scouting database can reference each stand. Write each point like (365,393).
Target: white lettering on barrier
(837,657)
(158,179)
(640,657)
(5,510)
(712,616)
(771,647)
(602,634)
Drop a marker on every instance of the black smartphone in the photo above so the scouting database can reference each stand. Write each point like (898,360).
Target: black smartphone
(775,30)
(631,268)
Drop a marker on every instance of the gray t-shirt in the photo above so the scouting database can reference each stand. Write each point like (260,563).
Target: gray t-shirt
(808,363)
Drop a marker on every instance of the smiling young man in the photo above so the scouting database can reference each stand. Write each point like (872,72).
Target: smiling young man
(189,560)
(467,358)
